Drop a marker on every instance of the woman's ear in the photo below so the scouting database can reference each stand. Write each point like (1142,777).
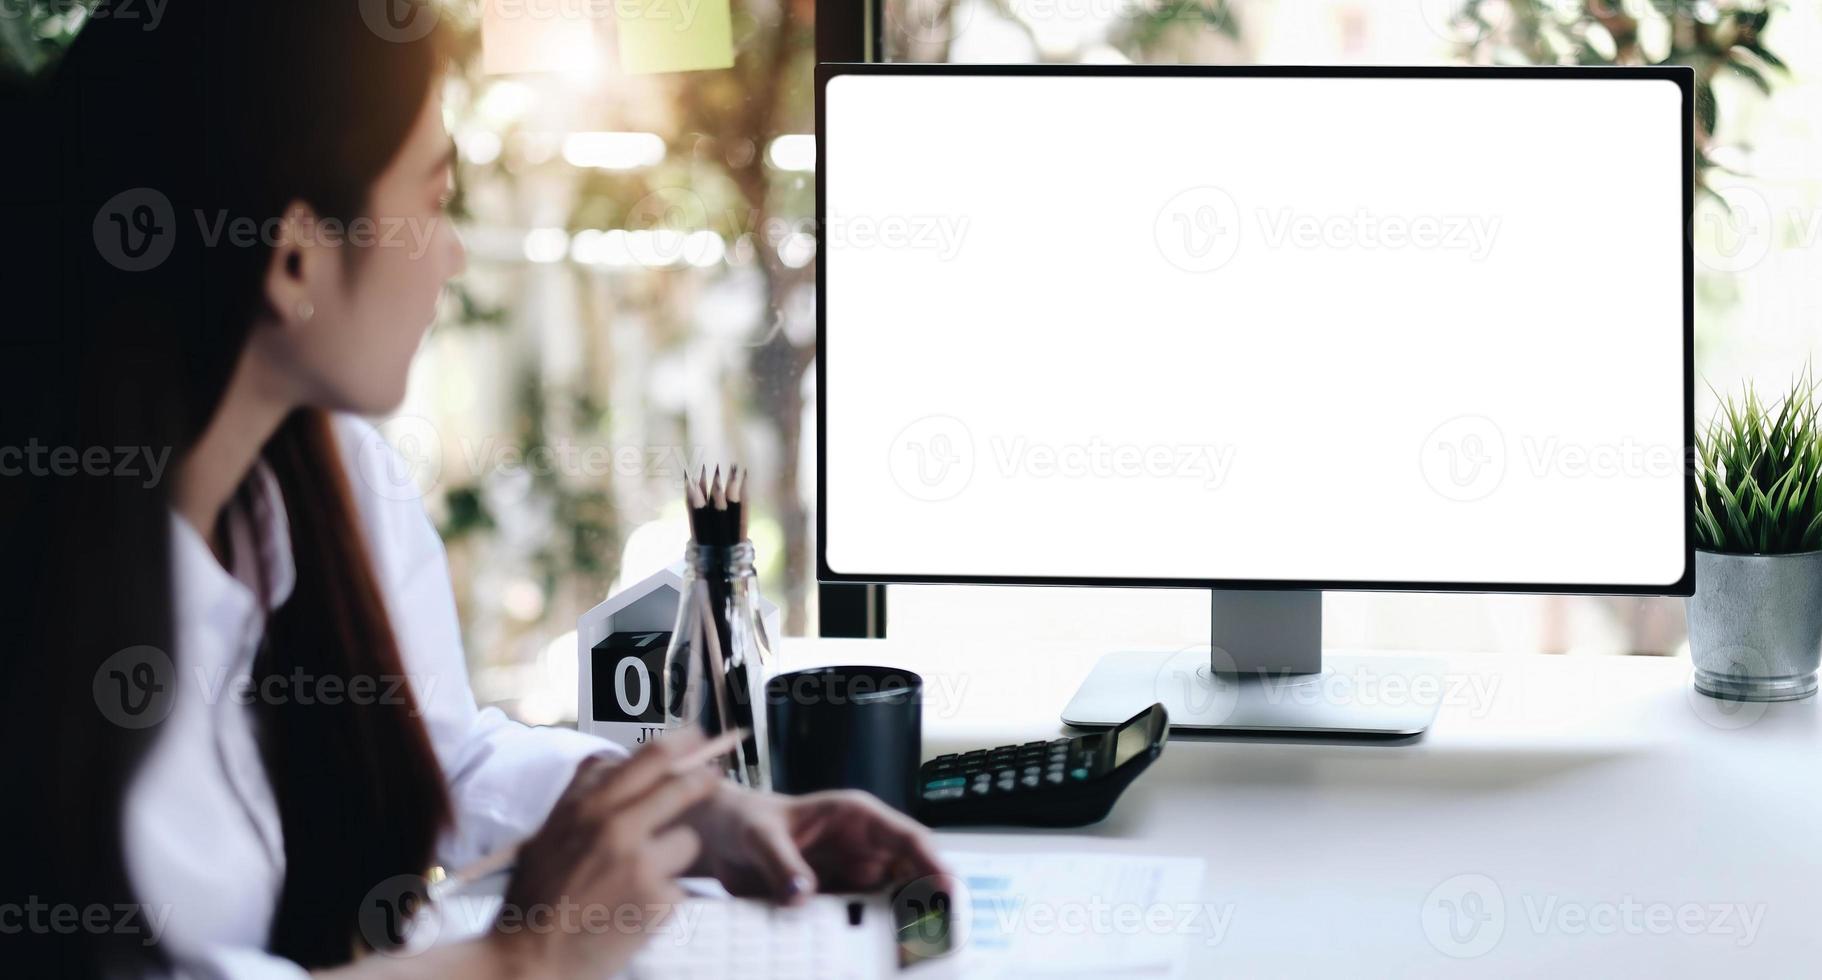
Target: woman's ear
(296,272)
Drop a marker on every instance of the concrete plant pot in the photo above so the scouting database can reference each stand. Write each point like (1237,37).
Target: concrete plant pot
(1755,625)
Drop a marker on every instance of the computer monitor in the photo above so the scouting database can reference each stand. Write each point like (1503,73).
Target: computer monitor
(1265,331)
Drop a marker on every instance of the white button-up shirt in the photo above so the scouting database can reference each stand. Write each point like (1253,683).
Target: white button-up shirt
(204,844)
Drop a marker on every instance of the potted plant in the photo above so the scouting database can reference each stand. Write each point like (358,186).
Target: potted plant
(1755,621)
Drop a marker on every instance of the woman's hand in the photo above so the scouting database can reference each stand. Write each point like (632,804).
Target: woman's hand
(789,847)
(601,874)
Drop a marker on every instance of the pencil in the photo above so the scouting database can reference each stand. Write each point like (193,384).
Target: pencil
(504,858)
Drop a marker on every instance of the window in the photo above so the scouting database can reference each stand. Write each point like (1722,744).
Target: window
(639,302)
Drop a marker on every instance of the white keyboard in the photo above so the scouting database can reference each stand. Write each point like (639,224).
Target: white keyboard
(828,938)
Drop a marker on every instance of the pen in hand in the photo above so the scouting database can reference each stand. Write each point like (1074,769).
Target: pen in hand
(504,858)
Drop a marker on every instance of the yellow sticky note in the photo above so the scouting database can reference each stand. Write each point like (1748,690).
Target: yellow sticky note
(674,35)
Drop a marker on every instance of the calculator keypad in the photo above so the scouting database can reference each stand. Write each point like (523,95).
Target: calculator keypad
(1009,768)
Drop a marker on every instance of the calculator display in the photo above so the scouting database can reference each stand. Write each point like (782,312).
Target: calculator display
(1130,741)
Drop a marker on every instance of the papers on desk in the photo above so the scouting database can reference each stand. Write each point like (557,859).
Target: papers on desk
(827,938)
(1048,915)
(1083,915)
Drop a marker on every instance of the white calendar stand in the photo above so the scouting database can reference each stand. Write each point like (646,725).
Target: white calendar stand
(649,605)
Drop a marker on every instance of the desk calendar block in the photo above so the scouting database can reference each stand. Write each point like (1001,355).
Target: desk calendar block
(620,646)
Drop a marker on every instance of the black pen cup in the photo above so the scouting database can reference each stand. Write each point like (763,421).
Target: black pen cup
(847,728)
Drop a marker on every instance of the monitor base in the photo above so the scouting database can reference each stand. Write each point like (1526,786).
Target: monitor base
(1367,696)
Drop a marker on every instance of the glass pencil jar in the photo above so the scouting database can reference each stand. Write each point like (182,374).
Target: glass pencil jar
(714,670)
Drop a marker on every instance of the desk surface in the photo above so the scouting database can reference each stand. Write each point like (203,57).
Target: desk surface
(1585,813)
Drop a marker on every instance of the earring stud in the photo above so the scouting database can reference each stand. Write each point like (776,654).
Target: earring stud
(305,310)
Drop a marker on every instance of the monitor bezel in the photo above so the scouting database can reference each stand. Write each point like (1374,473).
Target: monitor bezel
(1681,76)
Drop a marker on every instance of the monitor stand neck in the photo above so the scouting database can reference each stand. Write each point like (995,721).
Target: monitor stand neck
(1265,633)
(1263,672)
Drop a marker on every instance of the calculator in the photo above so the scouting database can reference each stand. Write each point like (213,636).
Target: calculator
(1065,782)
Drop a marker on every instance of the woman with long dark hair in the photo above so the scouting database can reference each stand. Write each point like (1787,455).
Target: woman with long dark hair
(235,706)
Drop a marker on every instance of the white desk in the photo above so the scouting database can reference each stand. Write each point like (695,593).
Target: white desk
(1607,807)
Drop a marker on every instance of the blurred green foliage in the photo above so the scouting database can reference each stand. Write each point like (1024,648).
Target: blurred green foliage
(1149,26)
(34,33)
(1716,38)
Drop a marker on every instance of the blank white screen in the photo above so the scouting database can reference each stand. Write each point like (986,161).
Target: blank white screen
(1168,328)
